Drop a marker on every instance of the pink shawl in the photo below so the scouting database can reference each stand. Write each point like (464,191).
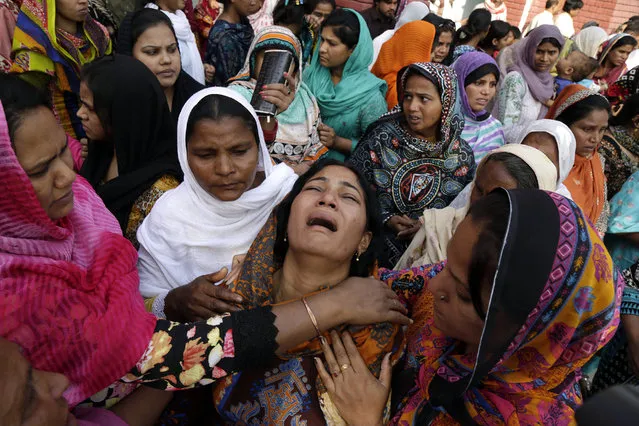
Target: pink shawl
(68,289)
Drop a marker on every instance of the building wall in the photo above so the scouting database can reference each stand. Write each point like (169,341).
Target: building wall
(609,13)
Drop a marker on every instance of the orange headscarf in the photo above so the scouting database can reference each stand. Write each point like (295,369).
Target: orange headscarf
(413,42)
(586,181)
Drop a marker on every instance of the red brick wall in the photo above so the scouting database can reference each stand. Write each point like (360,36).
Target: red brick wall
(609,13)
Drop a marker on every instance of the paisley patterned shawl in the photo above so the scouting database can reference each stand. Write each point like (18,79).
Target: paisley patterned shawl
(534,381)
(255,285)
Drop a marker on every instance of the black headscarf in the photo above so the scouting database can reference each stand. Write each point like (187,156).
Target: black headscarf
(132,27)
(132,108)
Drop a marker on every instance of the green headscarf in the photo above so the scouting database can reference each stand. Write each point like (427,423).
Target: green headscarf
(357,83)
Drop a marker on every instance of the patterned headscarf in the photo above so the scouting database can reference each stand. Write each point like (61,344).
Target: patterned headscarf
(526,372)
(445,79)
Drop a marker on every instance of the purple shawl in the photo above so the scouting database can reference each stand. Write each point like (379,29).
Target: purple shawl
(466,64)
(540,84)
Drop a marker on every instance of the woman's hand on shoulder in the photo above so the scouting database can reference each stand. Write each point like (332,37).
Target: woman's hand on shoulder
(201,299)
(368,301)
(357,394)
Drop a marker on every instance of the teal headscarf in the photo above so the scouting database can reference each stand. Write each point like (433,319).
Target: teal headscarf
(357,83)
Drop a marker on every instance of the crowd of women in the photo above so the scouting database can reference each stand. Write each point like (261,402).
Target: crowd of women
(438,225)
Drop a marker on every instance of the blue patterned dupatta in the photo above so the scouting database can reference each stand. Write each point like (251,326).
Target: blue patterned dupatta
(411,174)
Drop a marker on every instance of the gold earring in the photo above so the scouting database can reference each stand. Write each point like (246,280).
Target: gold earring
(357,257)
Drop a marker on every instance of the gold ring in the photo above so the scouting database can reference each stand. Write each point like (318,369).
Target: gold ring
(345,366)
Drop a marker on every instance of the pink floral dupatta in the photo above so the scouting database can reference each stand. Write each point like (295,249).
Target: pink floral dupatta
(68,289)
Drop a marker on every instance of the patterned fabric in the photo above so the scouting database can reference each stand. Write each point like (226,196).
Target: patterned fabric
(351,105)
(516,108)
(9,10)
(184,356)
(535,380)
(620,163)
(615,366)
(411,174)
(68,288)
(624,219)
(483,136)
(297,139)
(143,205)
(205,17)
(227,48)
(619,91)
(288,391)
(57,56)
(461,49)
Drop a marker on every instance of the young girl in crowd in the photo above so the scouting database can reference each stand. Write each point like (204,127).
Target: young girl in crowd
(52,41)
(499,36)
(296,141)
(230,188)
(586,113)
(414,156)
(443,46)
(478,75)
(56,230)
(496,338)
(410,44)
(349,96)
(189,53)
(132,158)
(230,38)
(148,36)
(528,87)
(469,36)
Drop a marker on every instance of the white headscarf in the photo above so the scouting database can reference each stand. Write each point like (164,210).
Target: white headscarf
(191,59)
(412,12)
(189,232)
(566,146)
(589,40)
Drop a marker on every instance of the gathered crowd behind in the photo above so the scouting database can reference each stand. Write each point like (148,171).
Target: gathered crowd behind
(426,219)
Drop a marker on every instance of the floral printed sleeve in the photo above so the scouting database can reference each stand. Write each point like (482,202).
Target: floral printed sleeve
(182,356)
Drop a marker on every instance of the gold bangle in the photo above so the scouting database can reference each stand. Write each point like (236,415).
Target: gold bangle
(311,316)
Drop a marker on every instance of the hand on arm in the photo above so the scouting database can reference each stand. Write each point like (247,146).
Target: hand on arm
(357,301)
